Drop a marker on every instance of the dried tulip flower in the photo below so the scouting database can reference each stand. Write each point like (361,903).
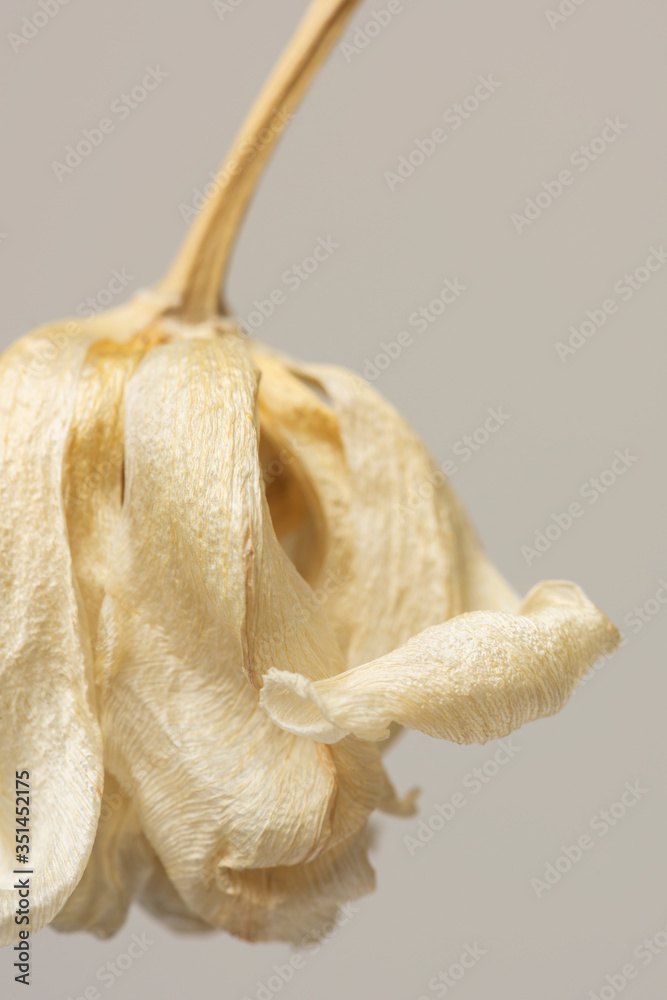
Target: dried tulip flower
(212,607)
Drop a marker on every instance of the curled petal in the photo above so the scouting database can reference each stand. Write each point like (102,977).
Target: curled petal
(476,678)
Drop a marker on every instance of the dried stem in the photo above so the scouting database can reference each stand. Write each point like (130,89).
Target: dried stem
(195,278)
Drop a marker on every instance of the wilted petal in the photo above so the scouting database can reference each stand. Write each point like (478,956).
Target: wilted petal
(476,678)
(48,722)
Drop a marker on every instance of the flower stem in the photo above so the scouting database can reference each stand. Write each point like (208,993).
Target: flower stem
(195,278)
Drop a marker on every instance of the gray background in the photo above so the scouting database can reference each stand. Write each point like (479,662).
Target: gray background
(471,884)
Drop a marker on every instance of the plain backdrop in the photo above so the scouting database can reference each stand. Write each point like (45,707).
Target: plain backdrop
(555,84)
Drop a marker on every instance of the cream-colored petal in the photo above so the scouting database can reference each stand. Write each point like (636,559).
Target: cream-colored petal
(476,678)
(199,586)
(118,868)
(48,722)
(122,860)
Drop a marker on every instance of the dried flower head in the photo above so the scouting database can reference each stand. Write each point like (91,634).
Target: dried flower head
(216,598)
